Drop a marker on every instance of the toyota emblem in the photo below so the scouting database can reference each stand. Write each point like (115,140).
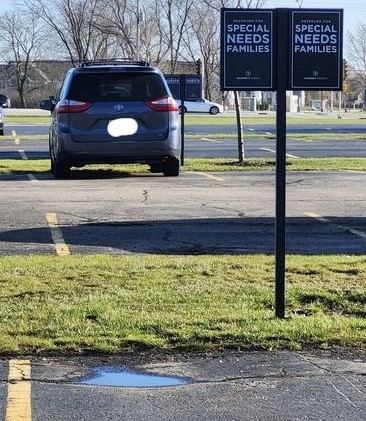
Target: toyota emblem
(118,107)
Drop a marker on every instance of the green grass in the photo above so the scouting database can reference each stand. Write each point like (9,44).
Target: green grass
(290,136)
(17,166)
(109,304)
(24,137)
(226,119)
(27,119)
(261,164)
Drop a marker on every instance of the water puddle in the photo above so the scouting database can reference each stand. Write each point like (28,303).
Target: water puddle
(124,377)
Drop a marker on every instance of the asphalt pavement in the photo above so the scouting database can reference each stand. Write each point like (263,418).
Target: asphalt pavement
(246,386)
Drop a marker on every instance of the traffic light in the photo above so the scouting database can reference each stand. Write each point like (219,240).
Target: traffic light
(345,69)
(198,64)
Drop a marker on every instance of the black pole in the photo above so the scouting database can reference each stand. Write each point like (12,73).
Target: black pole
(239,128)
(182,131)
(281,70)
(182,96)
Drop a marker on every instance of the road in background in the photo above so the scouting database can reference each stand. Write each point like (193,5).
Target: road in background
(204,146)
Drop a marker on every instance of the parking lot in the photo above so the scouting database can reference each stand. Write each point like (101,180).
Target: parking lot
(197,213)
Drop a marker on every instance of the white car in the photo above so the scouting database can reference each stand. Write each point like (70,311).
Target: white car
(201,106)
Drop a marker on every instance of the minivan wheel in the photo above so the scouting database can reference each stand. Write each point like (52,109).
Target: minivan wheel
(171,168)
(155,168)
(60,169)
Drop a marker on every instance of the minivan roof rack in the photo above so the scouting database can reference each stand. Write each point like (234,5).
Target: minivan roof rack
(112,62)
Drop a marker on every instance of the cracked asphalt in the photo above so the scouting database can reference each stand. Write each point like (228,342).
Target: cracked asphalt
(284,385)
(232,213)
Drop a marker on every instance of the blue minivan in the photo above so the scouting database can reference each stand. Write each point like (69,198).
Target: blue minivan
(114,112)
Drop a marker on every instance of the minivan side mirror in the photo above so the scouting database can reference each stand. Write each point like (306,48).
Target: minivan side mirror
(47,104)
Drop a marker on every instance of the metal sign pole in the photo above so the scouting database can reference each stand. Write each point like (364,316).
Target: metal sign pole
(182,96)
(281,71)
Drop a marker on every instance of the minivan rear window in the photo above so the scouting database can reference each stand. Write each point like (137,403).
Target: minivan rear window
(93,87)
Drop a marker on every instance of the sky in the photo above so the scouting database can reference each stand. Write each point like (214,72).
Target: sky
(354,10)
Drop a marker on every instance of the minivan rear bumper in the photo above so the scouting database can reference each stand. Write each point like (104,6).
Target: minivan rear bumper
(117,152)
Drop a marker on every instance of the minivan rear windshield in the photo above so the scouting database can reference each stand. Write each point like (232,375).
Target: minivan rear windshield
(93,87)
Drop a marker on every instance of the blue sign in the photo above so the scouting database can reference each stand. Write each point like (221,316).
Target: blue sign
(316,49)
(247,49)
(185,87)
(173,82)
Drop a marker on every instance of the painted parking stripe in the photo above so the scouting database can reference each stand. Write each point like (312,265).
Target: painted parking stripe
(25,158)
(210,140)
(23,154)
(353,231)
(210,176)
(18,407)
(273,151)
(15,137)
(61,247)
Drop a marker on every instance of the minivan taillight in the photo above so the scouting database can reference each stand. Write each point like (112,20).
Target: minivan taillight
(71,106)
(163,104)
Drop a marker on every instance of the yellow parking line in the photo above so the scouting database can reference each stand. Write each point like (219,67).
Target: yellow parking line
(15,137)
(210,140)
(60,246)
(212,177)
(353,231)
(19,406)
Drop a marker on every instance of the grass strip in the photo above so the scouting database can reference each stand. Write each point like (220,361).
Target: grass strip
(261,164)
(108,304)
(230,119)
(25,137)
(290,136)
(18,166)
(26,119)
(224,119)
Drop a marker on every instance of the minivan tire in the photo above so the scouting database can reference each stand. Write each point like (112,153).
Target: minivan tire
(60,169)
(171,168)
(155,168)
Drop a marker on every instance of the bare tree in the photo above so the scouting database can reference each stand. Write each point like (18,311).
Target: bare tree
(74,23)
(118,20)
(248,4)
(173,24)
(136,30)
(202,41)
(243,4)
(23,39)
(356,53)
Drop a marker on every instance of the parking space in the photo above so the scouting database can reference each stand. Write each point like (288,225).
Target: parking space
(197,213)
